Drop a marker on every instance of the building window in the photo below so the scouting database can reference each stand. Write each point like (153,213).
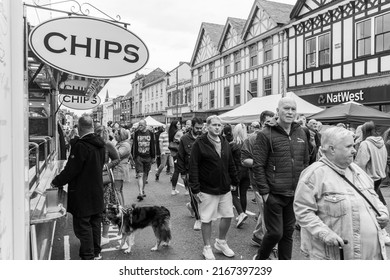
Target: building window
(200,104)
(156,106)
(161,106)
(237,61)
(169,99)
(253,55)
(226,65)
(188,95)
(237,94)
(253,88)
(199,79)
(226,91)
(363,38)
(311,53)
(382,33)
(212,97)
(267,49)
(268,86)
(324,49)
(212,70)
(161,93)
(181,96)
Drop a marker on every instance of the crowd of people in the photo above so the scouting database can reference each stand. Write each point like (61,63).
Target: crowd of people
(326,183)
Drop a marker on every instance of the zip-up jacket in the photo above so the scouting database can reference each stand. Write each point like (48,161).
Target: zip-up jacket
(183,156)
(208,172)
(279,159)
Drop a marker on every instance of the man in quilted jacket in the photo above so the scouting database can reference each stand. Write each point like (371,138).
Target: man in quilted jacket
(280,154)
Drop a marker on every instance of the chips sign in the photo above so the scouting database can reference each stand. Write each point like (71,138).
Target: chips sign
(89,47)
(79,102)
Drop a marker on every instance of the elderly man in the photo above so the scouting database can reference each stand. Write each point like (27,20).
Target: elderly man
(330,210)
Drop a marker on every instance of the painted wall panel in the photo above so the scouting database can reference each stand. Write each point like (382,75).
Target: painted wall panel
(308,79)
(359,68)
(348,40)
(385,63)
(372,66)
(326,75)
(347,72)
(336,72)
(317,76)
(337,43)
(291,55)
(299,80)
(300,53)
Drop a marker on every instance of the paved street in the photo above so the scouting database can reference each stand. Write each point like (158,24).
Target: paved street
(186,243)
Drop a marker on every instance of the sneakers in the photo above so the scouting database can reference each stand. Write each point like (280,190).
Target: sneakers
(139,197)
(208,253)
(221,246)
(98,257)
(241,218)
(174,192)
(256,241)
(143,194)
(157,177)
(386,237)
(104,241)
(273,255)
(198,225)
(187,192)
(192,212)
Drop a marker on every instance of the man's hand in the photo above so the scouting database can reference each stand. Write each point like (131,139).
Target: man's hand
(383,220)
(265,197)
(332,239)
(184,177)
(233,188)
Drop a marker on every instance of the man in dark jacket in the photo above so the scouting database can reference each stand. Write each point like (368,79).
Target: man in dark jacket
(211,176)
(280,155)
(83,174)
(183,164)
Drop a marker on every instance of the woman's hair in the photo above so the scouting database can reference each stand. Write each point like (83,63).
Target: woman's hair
(368,129)
(239,133)
(172,130)
(102,132)
(123,134)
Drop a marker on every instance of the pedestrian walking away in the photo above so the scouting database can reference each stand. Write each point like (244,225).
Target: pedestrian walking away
(280,154)
(212,190)
(83,174)
(335,201)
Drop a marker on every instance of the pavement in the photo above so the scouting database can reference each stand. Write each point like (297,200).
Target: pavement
(186,243)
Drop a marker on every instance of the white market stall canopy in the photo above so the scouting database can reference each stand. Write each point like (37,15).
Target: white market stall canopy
(151,122)
(250,111)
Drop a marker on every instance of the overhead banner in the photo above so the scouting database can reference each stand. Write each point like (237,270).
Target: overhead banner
(79,102)
(88,47)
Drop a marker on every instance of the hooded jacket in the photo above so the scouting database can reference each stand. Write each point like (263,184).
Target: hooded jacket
(372,157)
(208,172)
(83,174)
(184,153)
(279,158)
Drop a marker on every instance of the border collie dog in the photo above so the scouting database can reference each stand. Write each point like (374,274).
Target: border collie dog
(130,219)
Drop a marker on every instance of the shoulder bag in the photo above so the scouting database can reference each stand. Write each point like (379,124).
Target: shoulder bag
(108,176)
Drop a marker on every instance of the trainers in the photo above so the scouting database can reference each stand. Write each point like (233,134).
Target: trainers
(221,246)
(192,212)
(104,241)
(174,192)
(208,253)
(98,257)
(254,257)
(143,194)
(187,192)
(139,197)
(198,225)
(256,241)
(157,177)
(241,219)
(274,254)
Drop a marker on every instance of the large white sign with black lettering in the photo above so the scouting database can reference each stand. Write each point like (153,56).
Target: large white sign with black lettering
(88,47)
(79,102)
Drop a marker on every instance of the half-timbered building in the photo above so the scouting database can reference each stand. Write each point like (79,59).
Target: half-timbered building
(241,59)
(339,51)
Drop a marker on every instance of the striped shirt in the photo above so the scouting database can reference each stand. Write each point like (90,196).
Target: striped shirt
(164,143)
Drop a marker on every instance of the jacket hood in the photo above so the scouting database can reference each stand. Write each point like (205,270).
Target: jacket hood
(93,140)
(376,140)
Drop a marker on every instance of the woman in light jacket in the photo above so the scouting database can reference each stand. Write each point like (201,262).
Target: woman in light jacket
(122,171)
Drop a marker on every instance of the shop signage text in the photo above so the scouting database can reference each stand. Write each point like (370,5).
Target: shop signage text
(79,102)
(88,47)
(341,97)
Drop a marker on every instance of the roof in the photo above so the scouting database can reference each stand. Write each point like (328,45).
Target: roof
(153,76)
(279,12)
(237,23)
(214,31)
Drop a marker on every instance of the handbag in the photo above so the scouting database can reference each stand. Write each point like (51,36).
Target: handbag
(174,148)
(108,176)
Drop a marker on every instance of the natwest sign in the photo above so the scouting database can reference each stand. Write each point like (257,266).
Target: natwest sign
(88,47)
(341,97)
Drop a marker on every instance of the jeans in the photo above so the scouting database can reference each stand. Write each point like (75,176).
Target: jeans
(279,221)
(88,231)
(164,159)
(175,176)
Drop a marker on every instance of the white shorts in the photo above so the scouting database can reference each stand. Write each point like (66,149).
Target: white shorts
(213,207)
